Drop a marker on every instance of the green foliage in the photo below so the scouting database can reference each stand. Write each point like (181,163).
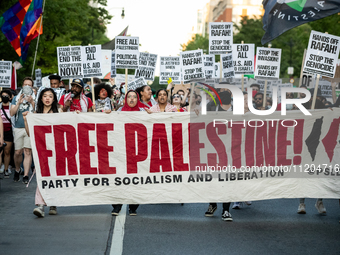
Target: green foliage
(65,22)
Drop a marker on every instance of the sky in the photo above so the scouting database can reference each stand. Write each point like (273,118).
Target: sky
(160,25)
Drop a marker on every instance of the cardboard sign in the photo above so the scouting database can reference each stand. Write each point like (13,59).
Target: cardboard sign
(227,66)
(220,37)
(127,52)
(209,67)
(243,57)
(38,77)
(5,74)
(192,65)
(147,66)
(91,56)
(136,83)
(322,54)
(267,63)
(70,62)
(113,64)
(170,67)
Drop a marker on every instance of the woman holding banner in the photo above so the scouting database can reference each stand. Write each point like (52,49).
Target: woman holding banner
(103,95)
(145,95)
(163,105)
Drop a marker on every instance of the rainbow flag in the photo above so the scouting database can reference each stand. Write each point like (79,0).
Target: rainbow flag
(31,27)
(11,23)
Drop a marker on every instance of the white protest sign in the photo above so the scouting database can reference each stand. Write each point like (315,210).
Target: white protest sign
(269,86)
(106,64)
(113,64)
(120,78)
(243,57)
(147,66)
(70,62)
(220,37)
(5,74)
(209,66)
(46,82)
(92,56)
(170,67)
(307,80)
(217,71)
(326,88)
(136,83)
(127,52)
(192,65)
(267,63)
(322,54)
(227,66)
(38,76)
(279,87)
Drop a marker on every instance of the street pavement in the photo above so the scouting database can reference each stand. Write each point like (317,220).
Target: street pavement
(265,227)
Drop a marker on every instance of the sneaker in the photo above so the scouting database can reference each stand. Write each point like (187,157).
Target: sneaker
(22,171)
(115,211)
(53,210)
(10,169)
(226,216)
(25,179)
(301,209)
(6,174)
(16,176)
(132,212)
(248,202)
(319,206)
(2,168)
(39,211)
(236,205)
(210,211)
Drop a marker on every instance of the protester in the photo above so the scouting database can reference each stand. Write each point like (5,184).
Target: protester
(103,95)
(145,95)
(258,102)
(176,101)
(23,102)
(76,100)
(163,105)
(8,133)
(46,103)
(87,90)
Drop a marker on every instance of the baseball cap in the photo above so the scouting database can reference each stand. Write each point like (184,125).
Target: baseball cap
(78,82)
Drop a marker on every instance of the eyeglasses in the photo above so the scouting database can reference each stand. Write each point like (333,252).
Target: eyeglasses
(87,89)
(176,96)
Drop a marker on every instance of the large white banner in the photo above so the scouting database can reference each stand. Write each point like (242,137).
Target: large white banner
(127,52)
(170,67)
(137,158)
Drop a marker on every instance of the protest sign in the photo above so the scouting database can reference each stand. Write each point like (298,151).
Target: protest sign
(243,57)
(217,71)
(170,67)
(113,64)
(279,87)
(322,54)
(120,78)
(267,63)
(38,78)
(307,80)
(127,52)
(326,88)
(238,82)
(192,65)
(70,62)
(92,56)
(220,37)
(134,158)
(227,66)
(147,66)
(139,82)
(5,74)
(45,81)
(106,64)
(209,67)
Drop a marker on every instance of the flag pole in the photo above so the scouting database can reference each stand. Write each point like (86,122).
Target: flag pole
(36,48)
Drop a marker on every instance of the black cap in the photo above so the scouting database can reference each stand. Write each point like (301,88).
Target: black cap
(78,82)
(54,77)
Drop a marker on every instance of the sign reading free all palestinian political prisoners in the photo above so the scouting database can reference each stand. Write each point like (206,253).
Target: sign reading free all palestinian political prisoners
(322,54)
(220,37)
(170,67)
(136,158)
(147,66)
(192,65)
(127,52)
(267,63)
(70,62)
(91,56)
(243,57)
(5,74)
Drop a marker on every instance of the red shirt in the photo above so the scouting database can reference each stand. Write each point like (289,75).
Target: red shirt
(7,124)
(75,105)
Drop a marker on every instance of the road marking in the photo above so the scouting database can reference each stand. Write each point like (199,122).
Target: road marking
(118,233)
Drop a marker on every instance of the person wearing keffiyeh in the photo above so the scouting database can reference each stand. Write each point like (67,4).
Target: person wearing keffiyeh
(163,105)
(103,95)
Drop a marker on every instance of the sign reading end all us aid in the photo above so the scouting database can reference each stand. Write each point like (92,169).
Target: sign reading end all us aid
(322,54)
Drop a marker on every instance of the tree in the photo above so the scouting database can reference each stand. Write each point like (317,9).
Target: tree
(65,22)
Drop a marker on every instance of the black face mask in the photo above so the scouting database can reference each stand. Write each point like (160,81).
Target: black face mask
(5,100)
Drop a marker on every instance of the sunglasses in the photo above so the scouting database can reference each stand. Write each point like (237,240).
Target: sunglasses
(258,98)
(176,96)
(87,89)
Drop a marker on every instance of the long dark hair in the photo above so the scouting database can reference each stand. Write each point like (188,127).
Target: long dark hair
(157,93)
(40,104)
(139,90)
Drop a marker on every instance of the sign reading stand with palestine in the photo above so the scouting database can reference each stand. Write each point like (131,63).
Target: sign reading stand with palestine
(220,37)
(5,74)
(322,54)
(127,52)
(170,67)
(192,65)
(70,62)
(91,56)
(243,57)
(147,66)
(267,63)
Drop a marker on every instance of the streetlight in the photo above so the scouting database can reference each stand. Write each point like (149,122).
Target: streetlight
(123,11)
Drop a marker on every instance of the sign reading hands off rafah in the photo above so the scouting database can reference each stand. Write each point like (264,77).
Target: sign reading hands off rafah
(192,65)
(220,37)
